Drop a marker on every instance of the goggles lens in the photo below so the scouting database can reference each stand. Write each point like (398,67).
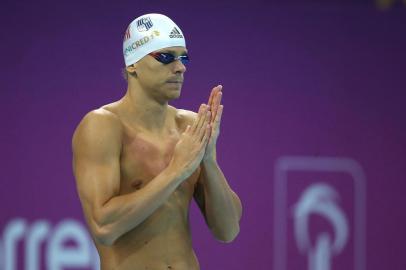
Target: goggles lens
(166,58)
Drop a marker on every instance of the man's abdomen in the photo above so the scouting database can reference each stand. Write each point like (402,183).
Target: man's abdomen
(162,241)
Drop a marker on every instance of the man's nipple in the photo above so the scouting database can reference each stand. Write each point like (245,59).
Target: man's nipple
(136,184)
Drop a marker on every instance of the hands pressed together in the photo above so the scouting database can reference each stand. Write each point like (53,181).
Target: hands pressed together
(198,141)
(216,111)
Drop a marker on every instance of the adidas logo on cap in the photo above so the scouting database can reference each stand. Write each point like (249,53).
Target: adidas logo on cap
(175,33)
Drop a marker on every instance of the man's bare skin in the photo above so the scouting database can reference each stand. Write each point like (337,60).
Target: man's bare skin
(136,179)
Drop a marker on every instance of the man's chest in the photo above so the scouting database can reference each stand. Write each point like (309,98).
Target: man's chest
(144,156)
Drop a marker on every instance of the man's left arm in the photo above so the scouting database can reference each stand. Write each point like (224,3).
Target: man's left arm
(220,205)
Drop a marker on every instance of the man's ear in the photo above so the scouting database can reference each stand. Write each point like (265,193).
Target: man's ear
(132,69)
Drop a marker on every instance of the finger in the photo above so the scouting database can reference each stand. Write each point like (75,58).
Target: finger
(217,121)
(199,114)
(216,101)
(187,129)
(206,135)
(205,121)
(213,93)
(200,120)
(219,96)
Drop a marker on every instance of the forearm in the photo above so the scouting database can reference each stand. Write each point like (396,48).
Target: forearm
(123,213)
(222,206)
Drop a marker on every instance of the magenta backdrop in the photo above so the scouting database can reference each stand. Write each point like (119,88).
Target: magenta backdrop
(314,97)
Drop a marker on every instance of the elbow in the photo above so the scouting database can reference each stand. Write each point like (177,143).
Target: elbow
(228,236)
(104,236)
(103,232)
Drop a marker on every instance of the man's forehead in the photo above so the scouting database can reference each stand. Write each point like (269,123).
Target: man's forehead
(174,50)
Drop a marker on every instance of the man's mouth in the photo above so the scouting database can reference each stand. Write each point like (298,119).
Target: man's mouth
(175,80)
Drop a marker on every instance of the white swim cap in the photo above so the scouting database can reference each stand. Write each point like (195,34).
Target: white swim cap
(148,33)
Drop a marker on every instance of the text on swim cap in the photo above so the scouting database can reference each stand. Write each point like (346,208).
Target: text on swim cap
(138,43)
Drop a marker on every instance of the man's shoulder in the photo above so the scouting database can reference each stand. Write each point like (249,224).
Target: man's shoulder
(98,122)
(100,117)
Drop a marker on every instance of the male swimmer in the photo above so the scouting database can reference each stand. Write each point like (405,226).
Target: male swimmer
(139,161)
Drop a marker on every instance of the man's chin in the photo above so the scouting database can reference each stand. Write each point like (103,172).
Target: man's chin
(174,94)
(174,91)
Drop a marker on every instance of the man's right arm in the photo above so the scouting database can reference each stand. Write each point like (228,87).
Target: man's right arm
(96,148)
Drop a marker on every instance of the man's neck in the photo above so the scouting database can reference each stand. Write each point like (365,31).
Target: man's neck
(144,111)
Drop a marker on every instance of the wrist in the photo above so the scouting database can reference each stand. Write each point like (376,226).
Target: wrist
(172,172)
(210,160)
(210,155)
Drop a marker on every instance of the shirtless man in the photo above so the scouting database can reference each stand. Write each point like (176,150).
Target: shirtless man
(139,161)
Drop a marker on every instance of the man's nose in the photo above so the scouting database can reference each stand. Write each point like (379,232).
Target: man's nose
(179,67)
